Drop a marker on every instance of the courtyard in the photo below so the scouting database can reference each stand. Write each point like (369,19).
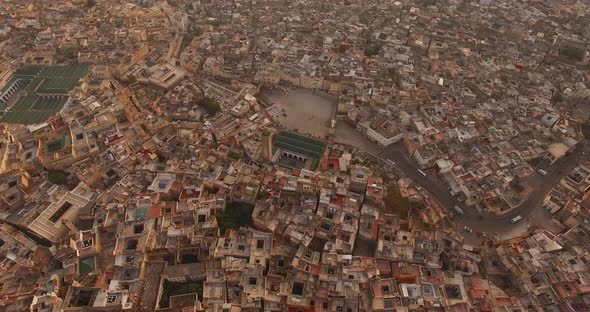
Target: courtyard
(304,111)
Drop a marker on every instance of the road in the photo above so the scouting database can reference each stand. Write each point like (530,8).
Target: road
(531,209)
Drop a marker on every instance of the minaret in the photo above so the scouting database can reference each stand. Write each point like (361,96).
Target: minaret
(267,145)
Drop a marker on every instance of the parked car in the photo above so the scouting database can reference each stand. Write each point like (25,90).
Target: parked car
(542,172)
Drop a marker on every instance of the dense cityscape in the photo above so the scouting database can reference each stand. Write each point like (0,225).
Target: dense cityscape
(294,155)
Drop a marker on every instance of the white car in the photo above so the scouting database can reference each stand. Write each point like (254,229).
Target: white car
(542,172)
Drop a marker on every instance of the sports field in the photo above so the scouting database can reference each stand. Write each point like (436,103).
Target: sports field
(45,92)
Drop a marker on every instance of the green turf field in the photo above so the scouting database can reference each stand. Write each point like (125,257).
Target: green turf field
(45,93)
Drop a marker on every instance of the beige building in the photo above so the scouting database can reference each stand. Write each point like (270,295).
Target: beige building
(59,217)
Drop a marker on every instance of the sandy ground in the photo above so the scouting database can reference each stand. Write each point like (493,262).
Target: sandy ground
(301,110)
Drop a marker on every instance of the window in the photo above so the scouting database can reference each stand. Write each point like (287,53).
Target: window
(131,244)
(325,305)
(281,263)
(252,281)
(297,289)
(260,244)
(201,218)
(87,243)
(331,271)
(138,229)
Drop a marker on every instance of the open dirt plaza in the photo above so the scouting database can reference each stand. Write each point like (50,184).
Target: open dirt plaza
(305,111)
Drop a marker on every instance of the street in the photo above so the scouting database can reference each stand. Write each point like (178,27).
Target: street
(531,209)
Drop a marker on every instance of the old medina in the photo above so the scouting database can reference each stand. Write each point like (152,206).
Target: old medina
(294,155)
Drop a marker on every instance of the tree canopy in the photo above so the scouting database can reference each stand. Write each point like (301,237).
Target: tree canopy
(235,215)
(372,50)
(210,106)
(57,177)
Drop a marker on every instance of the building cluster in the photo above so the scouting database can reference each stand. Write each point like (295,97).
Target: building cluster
(161,180)
(551,269)
(154,236)
(465,94)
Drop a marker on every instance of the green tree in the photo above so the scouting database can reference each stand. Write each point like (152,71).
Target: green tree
(395,203)
(372,50)
(234,155)
(131,79)
(58,177)
(210,106)
(557,98)
(235,215)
